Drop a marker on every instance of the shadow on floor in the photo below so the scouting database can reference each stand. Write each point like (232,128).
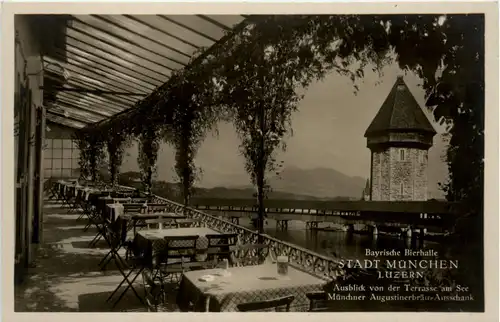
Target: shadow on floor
(96,302)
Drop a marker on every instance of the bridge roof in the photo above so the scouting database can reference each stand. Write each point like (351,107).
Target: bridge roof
(432,207)
(400,112)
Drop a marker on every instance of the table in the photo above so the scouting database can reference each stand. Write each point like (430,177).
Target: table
(114,211)
(156,237)
(246,284)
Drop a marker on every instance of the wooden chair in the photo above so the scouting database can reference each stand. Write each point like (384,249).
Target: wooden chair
(276,303)
(178,250)
(221,246)
(158,208)
(183,222)
(161,223)
(133,207)
(249,254)
(317,301)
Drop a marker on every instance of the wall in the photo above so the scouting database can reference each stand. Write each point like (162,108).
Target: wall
(390,175)
(28,65)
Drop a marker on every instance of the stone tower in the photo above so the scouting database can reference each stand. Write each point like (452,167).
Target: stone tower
(399,139)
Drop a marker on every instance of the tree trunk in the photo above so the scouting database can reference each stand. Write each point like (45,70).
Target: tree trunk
(186,195)
(260,177)
(149,180)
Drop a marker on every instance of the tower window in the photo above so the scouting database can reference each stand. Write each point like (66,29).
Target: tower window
(401,155)
(401,188)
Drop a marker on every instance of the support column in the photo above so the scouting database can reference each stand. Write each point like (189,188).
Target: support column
(374,231)
(422,233)
(409,232)
(310,225)
(281,224)
(39,176)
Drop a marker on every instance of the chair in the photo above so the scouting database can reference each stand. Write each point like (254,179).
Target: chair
(183,222)
(133,207)
(317,301)
(116,237)
(169,262)
(137,260)
(161,223)
(250,254)
(220,245)
(178,249)
(276,303)
(158,208)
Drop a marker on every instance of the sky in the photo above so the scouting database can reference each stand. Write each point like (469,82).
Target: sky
(328,132)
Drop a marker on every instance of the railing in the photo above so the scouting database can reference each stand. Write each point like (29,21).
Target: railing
(304,259)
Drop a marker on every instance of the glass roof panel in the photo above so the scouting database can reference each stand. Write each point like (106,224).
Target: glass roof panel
(124,77)
(125,45)
(94,52)
(97,101)
(65,121)
(194,39)
(74,113)
(154,45)
(79,70)
(65,103)
(228,20)
(197,25)
(132,59)
(89,102)
(105,56)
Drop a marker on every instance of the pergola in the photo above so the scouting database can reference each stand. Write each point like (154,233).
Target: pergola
(77,71)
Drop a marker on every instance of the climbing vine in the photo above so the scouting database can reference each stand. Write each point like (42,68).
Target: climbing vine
(116,143)
(149,145)
(82,143)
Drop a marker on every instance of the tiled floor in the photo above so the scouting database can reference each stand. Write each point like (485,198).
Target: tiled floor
(65,275)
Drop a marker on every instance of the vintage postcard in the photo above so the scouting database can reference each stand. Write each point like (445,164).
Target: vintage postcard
(238,158)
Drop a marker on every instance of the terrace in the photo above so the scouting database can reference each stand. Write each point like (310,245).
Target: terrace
(66,274)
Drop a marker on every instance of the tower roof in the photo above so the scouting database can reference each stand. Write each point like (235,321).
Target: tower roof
(400,112)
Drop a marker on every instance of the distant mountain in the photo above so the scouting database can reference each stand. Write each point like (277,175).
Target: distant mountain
(318,182)
(171,190)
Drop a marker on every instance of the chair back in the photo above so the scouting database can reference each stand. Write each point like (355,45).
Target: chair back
(163,223)
(158,207)
(133,207)
(180,247)
(220,245)
(276,303)
(317,301)
(250,254)
(187,222)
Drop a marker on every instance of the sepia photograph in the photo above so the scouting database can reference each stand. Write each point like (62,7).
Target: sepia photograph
(249,162)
